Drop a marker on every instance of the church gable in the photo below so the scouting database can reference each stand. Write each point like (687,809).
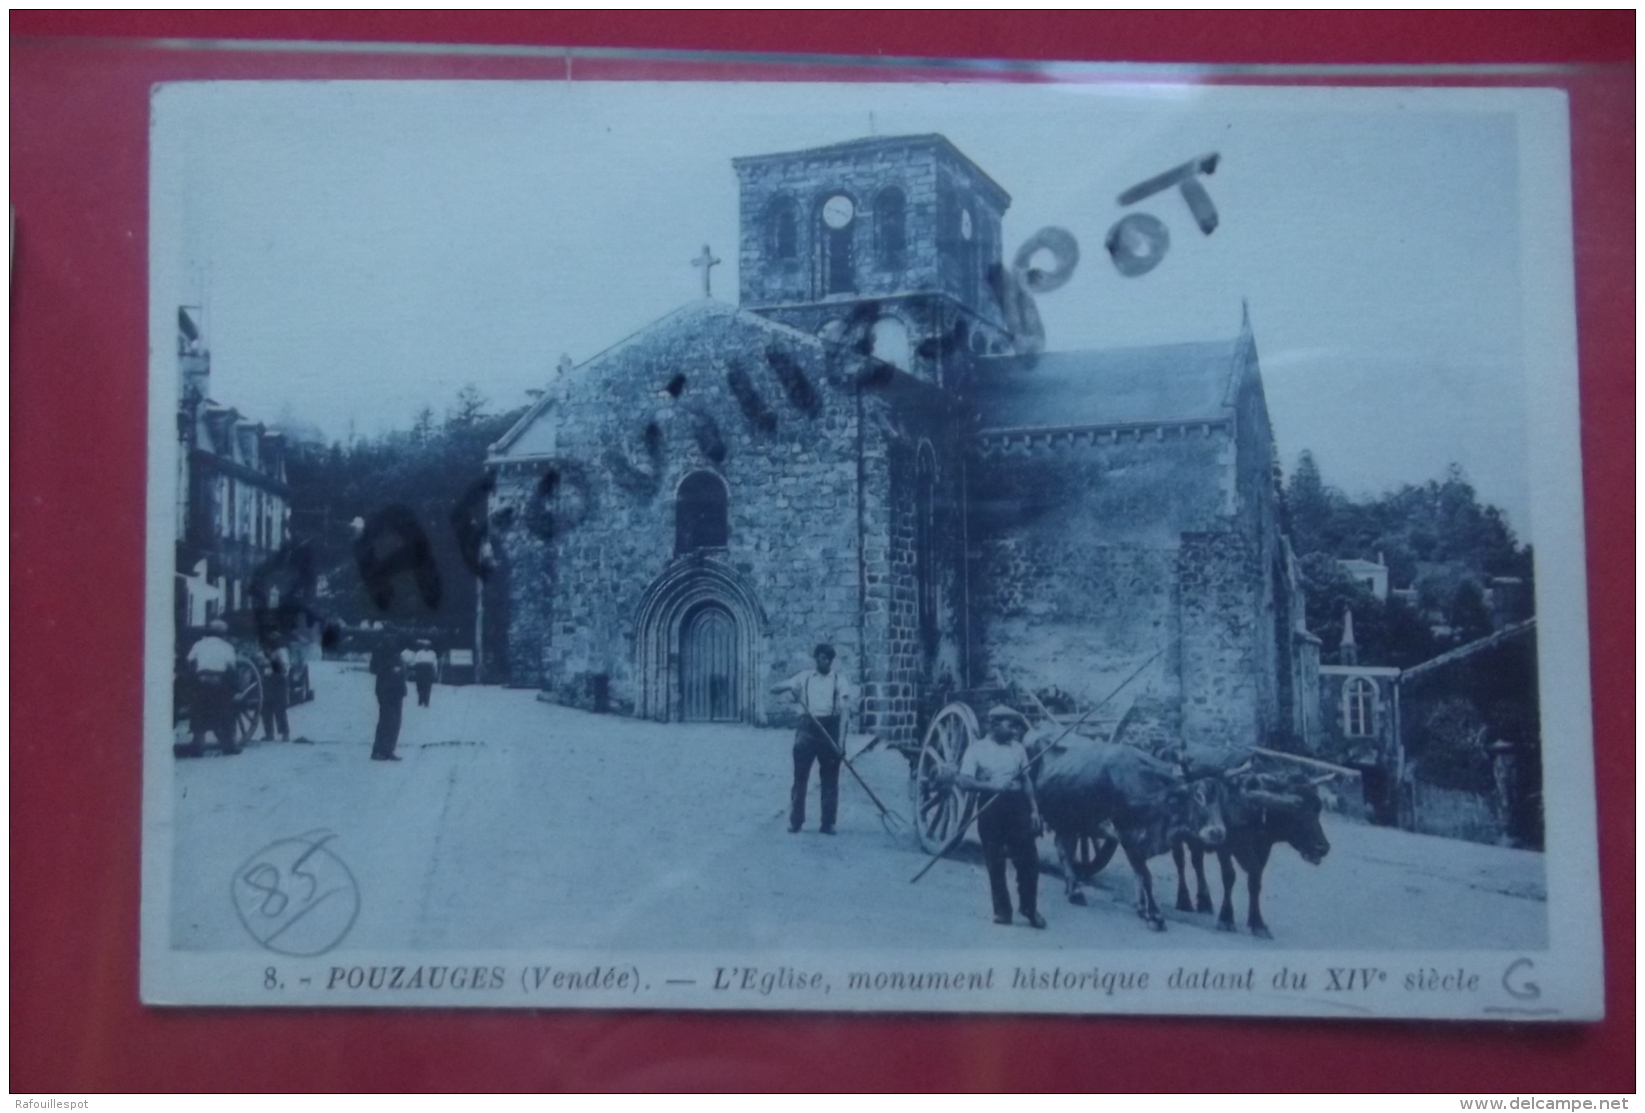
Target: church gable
(732,367)
(698,488)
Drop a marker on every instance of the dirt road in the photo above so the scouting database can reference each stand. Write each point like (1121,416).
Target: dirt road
(516,824)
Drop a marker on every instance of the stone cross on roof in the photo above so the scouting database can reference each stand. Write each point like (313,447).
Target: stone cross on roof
(707,262)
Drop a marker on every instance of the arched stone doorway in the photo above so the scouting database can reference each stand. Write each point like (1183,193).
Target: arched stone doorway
(698,635)
(710,661)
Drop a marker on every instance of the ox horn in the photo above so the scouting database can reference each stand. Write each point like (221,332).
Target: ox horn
(1238,769)
(1272,799)
(1322,778)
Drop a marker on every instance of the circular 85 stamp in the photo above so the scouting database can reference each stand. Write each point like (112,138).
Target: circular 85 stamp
(296,896)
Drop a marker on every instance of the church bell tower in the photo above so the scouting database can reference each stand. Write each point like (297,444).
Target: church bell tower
(890,238)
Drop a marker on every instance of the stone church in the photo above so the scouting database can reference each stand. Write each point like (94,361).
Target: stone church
(858,453)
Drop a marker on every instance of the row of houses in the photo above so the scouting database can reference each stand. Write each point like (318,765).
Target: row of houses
(233,501)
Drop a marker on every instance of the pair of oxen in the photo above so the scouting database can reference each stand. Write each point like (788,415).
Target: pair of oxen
(1095,796)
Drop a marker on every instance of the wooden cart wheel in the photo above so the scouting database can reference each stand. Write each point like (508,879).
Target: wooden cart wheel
(248,700)
(1091,853)
(940,808)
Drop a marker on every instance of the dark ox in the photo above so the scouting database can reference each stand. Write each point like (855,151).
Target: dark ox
(1148,803)
(1260,810)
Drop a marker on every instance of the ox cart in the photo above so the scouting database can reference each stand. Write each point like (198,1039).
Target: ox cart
(1279,804)
(942,811)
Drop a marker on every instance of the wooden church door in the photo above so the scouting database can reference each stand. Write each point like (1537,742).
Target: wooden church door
(709,673)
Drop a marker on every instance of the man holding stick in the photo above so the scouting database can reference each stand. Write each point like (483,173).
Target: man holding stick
(825,699)
(1008,813)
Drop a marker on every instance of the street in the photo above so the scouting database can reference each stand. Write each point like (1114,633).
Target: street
(514,823)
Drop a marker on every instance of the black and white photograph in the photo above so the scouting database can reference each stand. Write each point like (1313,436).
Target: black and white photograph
(1076,548)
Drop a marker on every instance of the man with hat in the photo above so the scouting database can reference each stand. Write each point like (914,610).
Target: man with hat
(995,767)
(825,698)
(211,704)
(425,667)
(388,665)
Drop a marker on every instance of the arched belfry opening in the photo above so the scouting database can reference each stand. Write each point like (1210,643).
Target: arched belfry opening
(699,636)
(782,229)
(836,239)
(891,228)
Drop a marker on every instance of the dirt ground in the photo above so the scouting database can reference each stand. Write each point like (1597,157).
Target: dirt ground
(517,824)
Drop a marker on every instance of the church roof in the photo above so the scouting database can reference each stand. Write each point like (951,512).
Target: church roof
(1116,386)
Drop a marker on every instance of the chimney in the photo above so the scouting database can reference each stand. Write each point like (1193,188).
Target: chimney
(1348,652)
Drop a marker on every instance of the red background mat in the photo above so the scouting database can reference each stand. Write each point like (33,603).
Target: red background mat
(79,389)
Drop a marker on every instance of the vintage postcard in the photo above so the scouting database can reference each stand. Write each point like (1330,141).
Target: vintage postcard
(1070,548)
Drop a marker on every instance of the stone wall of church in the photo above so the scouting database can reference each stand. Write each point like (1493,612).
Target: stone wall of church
(1258,500)
(1226,675)
(911,657)
(524,553)
(756,408)
(1080,572)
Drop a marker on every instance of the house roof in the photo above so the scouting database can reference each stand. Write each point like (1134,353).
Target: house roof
(1507,633)
(1116,386)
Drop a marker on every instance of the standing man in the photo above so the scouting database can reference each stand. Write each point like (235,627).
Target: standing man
(1008,812)
(388,665)
(211,704)
(277,692)
(825,699)
(425,668)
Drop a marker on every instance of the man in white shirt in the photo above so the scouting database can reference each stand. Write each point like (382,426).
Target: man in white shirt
(210,665)
(995,767)
(425,669)
(825,697)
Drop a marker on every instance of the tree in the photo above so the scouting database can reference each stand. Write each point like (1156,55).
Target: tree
(1468,615)
(1329,592)
(1436,537)
(422,430)
(1451,751)
(428,470)
(1312,506)
(470,408)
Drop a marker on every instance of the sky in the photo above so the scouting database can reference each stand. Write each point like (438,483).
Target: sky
(364,249)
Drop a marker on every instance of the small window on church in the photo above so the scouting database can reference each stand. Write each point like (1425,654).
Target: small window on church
(701,513)
(783,229)
(890,229)
(1359,700)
